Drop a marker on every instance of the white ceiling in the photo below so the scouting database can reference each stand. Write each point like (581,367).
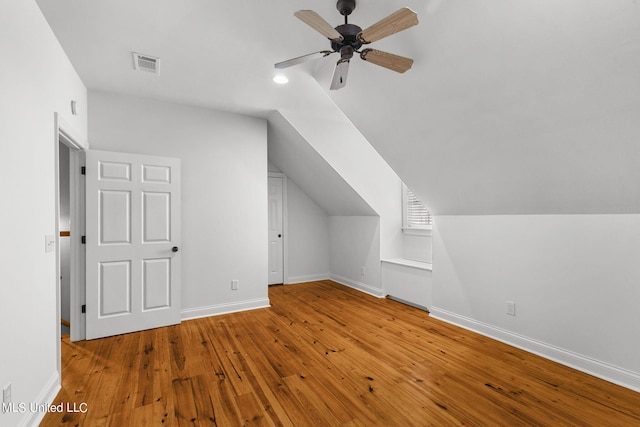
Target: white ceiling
(512,106)
(216,54)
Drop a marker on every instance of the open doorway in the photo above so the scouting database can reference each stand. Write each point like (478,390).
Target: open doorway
(69,223)
(64,225)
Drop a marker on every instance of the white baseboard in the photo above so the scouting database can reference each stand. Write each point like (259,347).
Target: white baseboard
(605,371)
(410,303)
(378,293)
(46,396)
(232,307)
(307,278)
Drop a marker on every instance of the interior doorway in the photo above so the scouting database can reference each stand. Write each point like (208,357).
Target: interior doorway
(69,226)
(64,235)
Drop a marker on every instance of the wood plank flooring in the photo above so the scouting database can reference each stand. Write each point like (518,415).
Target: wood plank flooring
(326,355)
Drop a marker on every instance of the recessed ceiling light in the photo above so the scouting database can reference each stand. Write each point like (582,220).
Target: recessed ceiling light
(281,79)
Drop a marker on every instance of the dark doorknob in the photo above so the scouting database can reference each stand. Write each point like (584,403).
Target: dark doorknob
(174,249)
(279,235)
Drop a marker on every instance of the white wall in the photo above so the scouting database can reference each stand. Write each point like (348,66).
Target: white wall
(355,243)
(224,191)
(308,237)
(574,279)
(417,247)
(36,80)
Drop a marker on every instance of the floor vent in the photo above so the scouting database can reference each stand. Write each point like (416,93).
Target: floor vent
(146,63)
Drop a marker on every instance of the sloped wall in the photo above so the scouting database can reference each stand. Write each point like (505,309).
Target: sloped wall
(340,171)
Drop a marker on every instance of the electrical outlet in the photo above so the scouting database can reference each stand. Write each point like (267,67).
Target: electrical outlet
(6,394)
(363,271)
(511,308)
(234,285)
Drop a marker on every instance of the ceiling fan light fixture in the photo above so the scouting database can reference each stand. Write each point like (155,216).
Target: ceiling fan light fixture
(281,79)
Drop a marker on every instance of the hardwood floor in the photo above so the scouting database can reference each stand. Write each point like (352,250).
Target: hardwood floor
(326,355)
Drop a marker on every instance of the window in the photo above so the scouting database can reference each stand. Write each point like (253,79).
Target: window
(415,215)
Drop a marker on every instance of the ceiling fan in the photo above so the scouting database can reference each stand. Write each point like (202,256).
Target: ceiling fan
(348,38)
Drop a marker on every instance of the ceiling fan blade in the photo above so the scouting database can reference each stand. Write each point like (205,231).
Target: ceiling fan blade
(318,23)
(396,22)
(393,62)
(303,58)
(339,79)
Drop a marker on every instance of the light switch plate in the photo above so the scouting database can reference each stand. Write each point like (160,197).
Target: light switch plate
(49,243)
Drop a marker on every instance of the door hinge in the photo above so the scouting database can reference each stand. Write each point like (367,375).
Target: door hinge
(84,308)
(83,170)
(84,240)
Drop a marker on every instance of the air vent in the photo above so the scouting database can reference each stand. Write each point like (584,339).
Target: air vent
(146,63)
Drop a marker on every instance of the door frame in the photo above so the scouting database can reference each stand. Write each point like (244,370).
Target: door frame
(285,226)
(67,134)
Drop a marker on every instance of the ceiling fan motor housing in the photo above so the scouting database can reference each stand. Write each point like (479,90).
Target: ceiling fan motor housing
(349,32)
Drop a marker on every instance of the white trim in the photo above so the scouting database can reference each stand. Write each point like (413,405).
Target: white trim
(77,146)
(46,396)
(217,309)
(69,132)
(307,278)
(415,231)
(409,303)
(605,371)
(363,287)
(421,265)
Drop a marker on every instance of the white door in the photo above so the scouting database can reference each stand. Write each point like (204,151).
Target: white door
(276,248)
(132,242)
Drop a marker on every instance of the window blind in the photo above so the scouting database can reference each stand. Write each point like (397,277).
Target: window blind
(417,213)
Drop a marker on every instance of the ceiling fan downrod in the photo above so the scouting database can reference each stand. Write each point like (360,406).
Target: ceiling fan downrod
(349,32)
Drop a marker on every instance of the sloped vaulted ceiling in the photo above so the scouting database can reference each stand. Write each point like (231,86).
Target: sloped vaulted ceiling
(528,106)
(289,152)
(512,107)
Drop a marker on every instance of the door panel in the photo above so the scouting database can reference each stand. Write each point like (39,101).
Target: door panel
(114,217)
(156,282)
(276,247)
(114,288)
(156,217)
(132,224)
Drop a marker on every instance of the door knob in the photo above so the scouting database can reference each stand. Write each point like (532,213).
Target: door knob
(174,249)
(279,235)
